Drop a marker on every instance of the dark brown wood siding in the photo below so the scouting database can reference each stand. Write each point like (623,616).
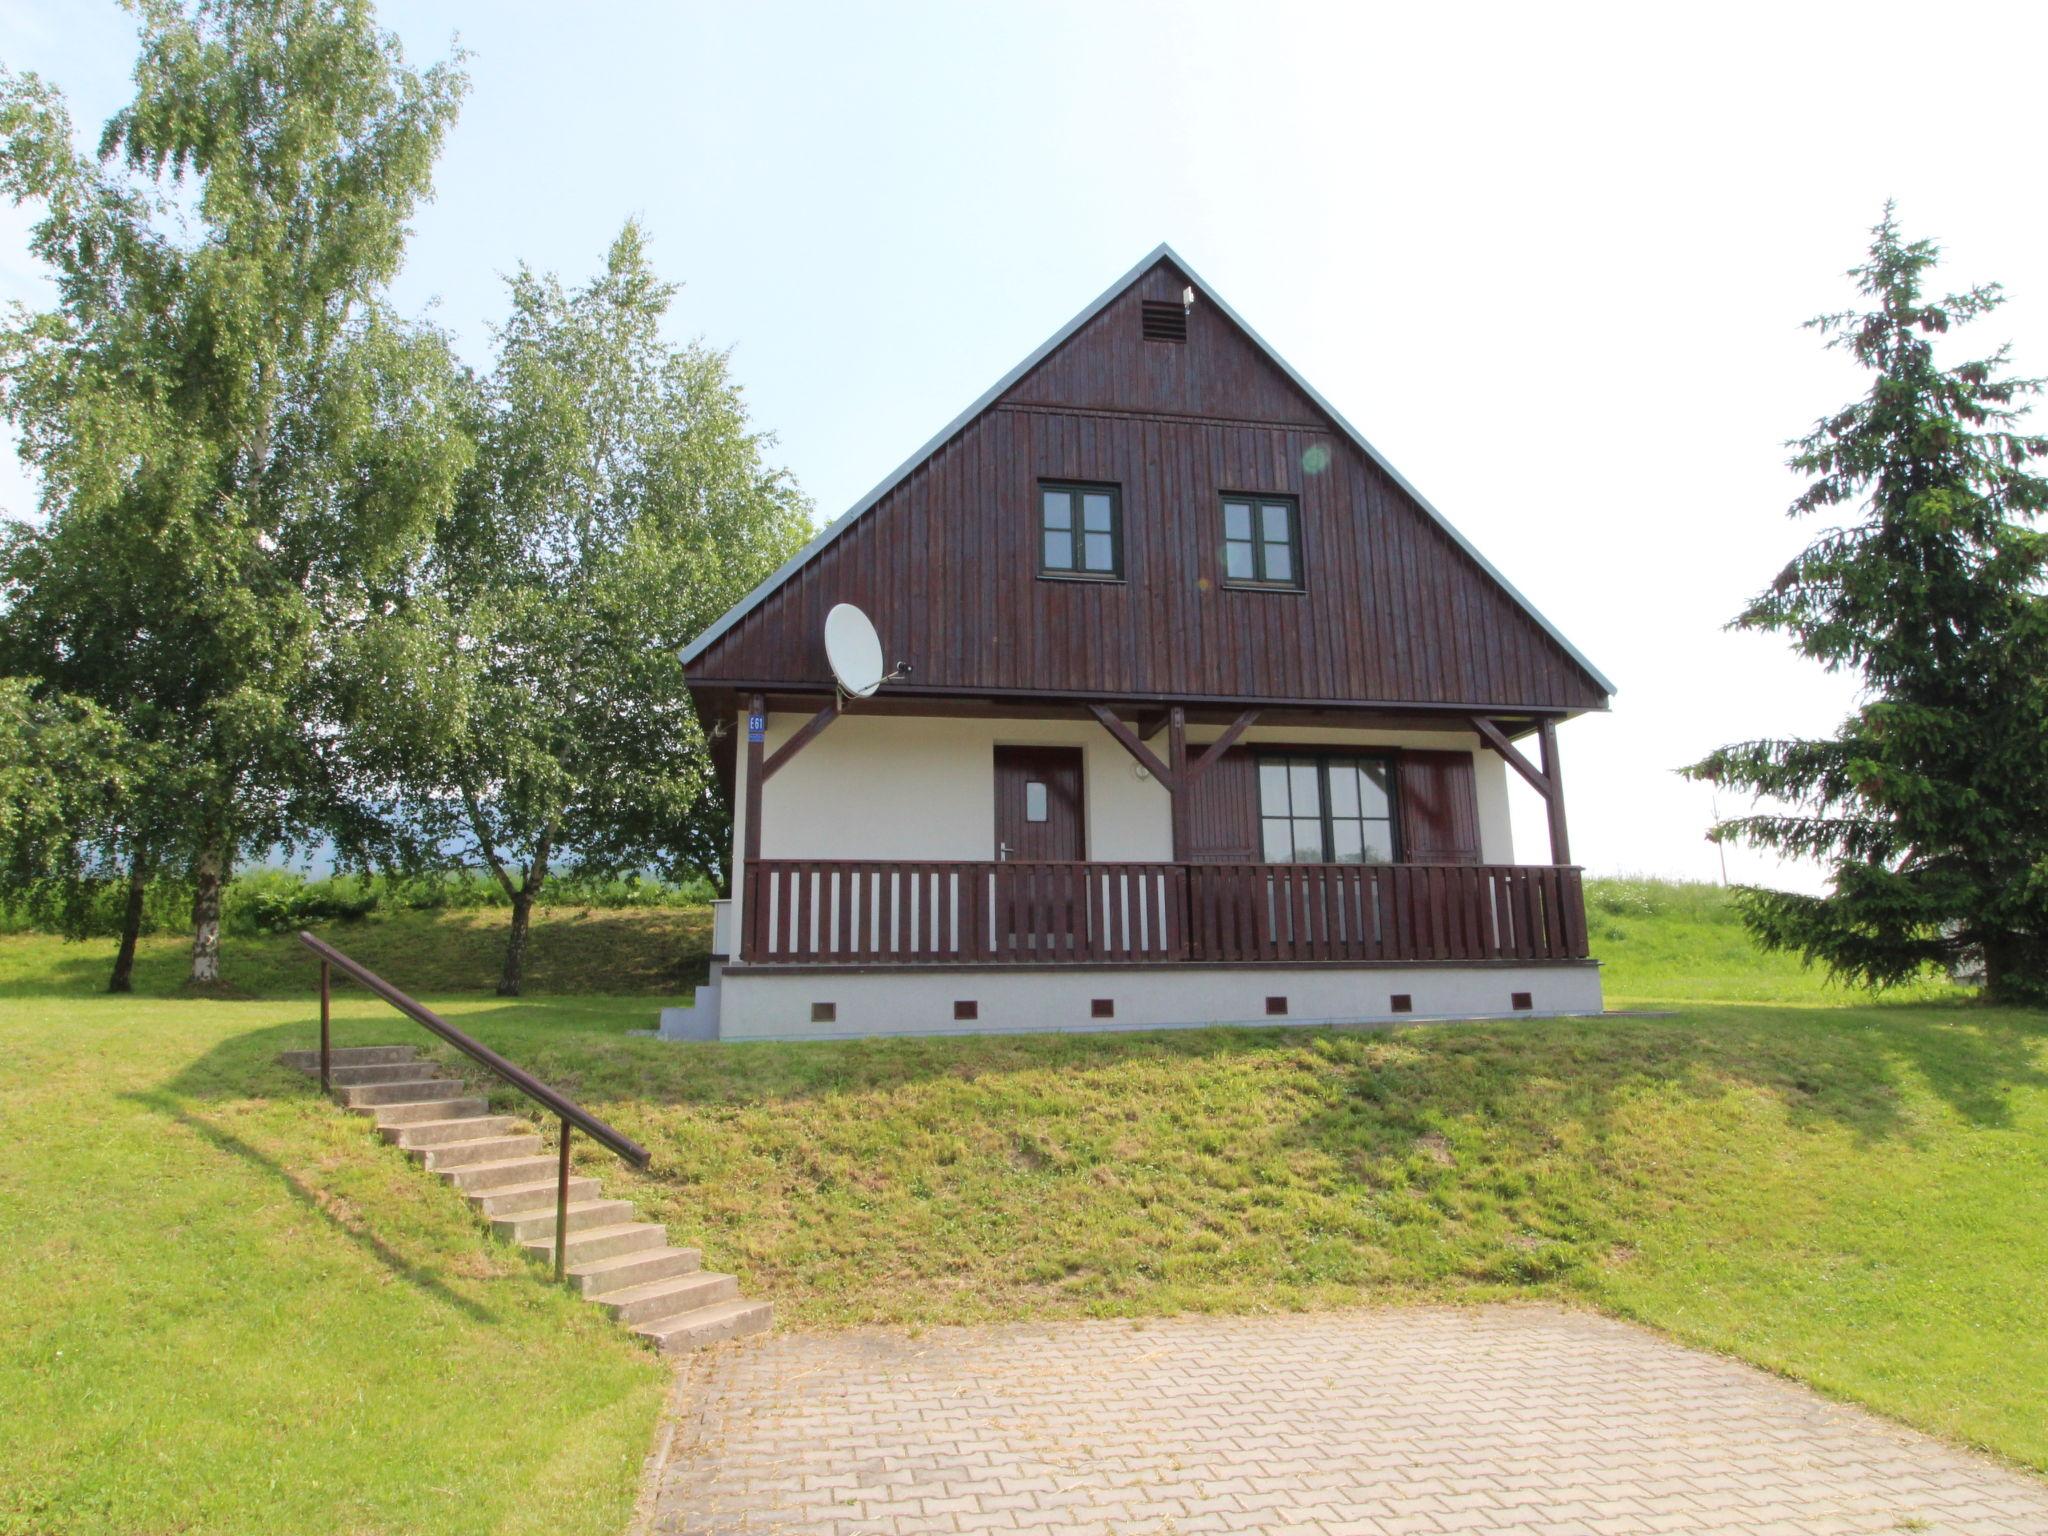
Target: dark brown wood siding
(1438,804)
(1223,811)
(946,563)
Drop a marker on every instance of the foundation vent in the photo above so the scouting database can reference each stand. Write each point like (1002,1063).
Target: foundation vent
(824,1013)
(1402,1002)
(1276,1005)
(967,1008)
(1102,1008)
(1521,1002)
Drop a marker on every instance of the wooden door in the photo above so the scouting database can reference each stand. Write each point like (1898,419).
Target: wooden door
(1038,803)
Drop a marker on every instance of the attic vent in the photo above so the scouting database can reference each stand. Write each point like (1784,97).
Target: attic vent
(1161,321)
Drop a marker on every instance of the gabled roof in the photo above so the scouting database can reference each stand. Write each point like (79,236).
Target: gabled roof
(1161,252)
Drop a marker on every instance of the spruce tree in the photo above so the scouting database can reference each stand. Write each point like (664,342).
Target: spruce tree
(1930,803)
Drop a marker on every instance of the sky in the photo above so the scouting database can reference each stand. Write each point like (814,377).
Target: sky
(1553,261)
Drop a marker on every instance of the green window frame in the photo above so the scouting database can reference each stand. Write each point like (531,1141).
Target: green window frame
(1080,531)
(1335,808)
(1262,542)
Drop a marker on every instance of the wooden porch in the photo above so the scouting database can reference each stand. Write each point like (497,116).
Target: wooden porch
(901,913)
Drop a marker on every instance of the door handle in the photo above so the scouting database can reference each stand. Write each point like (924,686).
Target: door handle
(1003,852)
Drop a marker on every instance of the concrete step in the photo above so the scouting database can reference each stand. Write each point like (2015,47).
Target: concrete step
(444,1156)
(519,1199)
(595,1243)
(421,1111)
(498,1162)
(379,1072)
(601,1276)
(530,1226)
(437,1133)
(501,1173)
(707,1325)
(415,1090)
(655,1299)
(348,1055)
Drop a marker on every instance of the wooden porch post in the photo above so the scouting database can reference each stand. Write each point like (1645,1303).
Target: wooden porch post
(1545,780)
(1560,841)
(1177,759)
(757,709)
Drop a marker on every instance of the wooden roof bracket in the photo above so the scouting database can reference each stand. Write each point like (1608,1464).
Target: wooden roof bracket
(1547,780)
(806,733)
(1143,755)
(1497,739)
(1222,744)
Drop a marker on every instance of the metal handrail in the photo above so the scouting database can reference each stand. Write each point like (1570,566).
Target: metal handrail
(570,1112)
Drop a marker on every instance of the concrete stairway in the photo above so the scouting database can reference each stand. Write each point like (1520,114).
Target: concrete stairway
(624,1265)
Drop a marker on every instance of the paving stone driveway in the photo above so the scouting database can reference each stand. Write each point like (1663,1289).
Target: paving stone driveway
(1507,1418)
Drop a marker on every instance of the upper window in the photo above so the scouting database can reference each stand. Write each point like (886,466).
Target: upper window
(1261,541)
(1080,531)
(1326,810)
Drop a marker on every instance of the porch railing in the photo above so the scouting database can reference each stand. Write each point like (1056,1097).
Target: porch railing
(825,911)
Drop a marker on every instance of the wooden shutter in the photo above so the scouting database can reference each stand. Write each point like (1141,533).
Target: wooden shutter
(1438,806)
(1223,811)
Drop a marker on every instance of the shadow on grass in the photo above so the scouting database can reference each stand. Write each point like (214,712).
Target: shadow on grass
(311,1199)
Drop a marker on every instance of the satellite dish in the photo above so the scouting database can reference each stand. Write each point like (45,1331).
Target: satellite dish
(854,650)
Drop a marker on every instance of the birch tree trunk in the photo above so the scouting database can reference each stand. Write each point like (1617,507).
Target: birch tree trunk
(206,884)
(512,977)
(123,979)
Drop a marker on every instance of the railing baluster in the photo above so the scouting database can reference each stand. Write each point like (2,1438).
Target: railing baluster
(1067,911)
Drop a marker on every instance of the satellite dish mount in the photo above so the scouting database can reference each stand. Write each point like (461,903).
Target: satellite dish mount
(854,651)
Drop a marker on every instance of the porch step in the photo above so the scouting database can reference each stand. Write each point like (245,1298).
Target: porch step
(439,1156)
(413,1090)
(502,1200)
(483,1178)
(621,1270)
(668,1297)
(421,1111)
(376,1072)
(436,1133)
(594,1244)
(707,1325)
(525,1227)
(499,1164)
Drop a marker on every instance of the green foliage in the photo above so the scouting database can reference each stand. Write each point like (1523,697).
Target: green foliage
(1930,804)
(66,771)
(284,901)
(519,683)
(232,431)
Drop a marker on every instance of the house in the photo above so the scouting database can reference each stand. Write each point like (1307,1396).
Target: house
(1208,717)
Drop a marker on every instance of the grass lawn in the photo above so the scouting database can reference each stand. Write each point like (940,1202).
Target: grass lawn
(224,1308)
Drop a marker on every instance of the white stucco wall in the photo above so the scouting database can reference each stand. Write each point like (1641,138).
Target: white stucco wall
(764,1005)
(923,786)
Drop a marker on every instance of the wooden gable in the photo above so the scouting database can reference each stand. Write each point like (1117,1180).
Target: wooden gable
(1393,611)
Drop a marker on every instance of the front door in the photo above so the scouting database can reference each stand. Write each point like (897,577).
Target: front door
(1038,803)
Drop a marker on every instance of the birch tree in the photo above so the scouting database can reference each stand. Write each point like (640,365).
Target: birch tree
(232,431)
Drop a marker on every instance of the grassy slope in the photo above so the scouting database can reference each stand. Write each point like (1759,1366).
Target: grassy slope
(1846,1191)
(223,1308)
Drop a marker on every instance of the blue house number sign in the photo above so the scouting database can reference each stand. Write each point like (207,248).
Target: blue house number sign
(757,727)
